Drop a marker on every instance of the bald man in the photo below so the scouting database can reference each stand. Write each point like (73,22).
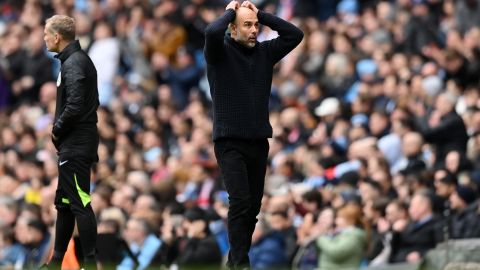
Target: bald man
(412,143)
(240,71)
(445,129)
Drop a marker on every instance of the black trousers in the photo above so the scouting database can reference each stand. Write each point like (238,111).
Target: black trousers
(72,200)
(243,165)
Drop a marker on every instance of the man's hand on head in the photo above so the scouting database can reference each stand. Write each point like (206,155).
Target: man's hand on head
(233,5)
(250,5)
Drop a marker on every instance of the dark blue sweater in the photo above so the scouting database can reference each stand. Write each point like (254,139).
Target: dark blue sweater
(240,78)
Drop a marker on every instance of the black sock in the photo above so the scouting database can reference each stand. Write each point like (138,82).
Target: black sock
(91,259)
(57,259)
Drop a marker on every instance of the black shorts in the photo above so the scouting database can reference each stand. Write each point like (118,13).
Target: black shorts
(73,189)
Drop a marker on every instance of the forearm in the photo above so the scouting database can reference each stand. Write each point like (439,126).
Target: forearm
(286,30)
(215,32)
(289,36)
(218,27)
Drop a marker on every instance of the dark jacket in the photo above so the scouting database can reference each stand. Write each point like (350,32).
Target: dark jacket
(420,31)
(465,223)
(415,237)
(75,123)
(200,252)
(269,252)
(240,78)
(449,135)
(39,66)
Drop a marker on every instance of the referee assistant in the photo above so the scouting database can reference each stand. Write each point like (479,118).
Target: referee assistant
(76,138)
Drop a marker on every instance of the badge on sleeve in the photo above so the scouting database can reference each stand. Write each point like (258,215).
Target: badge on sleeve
(59,79)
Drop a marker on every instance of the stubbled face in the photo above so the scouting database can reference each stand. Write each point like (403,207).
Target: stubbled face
(419,208)
(51,39)
(443,105)
(245,28)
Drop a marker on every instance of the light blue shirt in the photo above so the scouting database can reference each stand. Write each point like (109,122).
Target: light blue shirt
(145,254)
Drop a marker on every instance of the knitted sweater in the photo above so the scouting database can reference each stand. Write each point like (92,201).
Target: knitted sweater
(240,78)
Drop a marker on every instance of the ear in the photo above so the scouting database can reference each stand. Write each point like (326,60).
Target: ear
(233,29)
(57,38)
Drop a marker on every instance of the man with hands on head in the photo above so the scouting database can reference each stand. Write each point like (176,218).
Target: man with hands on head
(240,70)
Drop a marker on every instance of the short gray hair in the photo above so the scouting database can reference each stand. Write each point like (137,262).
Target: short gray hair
(63,25)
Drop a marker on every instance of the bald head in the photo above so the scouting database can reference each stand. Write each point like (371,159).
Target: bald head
(244,29)
(245,13)
(412,144)
(445,103)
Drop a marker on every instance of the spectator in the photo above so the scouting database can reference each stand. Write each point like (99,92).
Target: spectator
(32,234)
(142,243)
(11,254)
(101,198)
(184,76)
(14,56)
(446,129)
(344,247)
(9,210)
(466,14)
(411,241)
(338,76)
(464,220)
(200,247)
(312,202)
(36,71)
(105,52)
(269,244)
(412,162)
(307,235)
(218,228)
(167,37)
(374,211)
(416,41)
(124,198)
(396,216)
(108,236)
(445,186)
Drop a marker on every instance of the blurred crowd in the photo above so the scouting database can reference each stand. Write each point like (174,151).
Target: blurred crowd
(375,156)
